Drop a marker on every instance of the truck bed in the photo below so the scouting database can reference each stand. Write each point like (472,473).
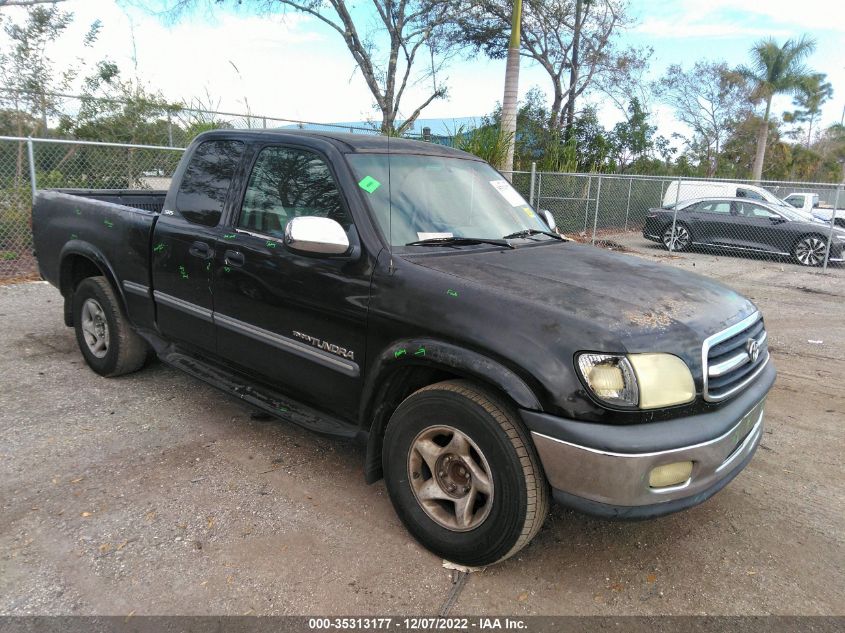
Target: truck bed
(112,227)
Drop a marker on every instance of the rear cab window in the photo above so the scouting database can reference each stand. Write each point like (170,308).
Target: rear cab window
(206,181)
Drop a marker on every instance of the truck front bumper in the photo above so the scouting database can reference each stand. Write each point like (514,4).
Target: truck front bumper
(605,470)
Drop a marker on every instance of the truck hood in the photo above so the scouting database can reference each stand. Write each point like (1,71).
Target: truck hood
(630,298)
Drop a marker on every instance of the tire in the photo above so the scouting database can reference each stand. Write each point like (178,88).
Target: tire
(683,240)
(475,441)
(809,250)
(108,343)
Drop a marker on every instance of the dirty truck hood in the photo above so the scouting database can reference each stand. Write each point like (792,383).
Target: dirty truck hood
(630,296)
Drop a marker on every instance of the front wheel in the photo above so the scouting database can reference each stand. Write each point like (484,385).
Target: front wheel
(809,250)
(463,474)
(679,240)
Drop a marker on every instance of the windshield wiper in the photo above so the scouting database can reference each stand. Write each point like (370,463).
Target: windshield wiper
(458,241)
(530,232)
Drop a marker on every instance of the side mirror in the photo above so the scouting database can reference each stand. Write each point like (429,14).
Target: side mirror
(548,218)
(318,236)
(776,219)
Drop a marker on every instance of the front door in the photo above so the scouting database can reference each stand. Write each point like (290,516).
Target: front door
(296,321)
(183,244)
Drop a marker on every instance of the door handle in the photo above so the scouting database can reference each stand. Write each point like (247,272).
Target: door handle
(200,249)
(233,258)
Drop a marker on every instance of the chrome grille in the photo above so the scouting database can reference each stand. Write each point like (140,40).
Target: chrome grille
(728,358)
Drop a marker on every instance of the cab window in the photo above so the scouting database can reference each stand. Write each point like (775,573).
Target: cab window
(205,184)
(286,183)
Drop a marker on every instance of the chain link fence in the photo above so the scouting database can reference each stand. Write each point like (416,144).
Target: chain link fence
(801,223)
(797,222)
(27,164)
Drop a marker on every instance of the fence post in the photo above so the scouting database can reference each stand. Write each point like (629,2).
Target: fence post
(596,216)
(31,155)
(169,129)
(660,201)
(531,190)
(587,201)
(539,189)
(832,224)
(674,214)
(628,205)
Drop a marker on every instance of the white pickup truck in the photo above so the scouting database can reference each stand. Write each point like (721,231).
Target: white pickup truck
(810,203)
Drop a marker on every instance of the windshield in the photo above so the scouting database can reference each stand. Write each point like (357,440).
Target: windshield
(436,197)
(793,214)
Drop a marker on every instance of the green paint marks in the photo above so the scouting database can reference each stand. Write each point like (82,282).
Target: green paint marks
(226,269)
(271,244)
(420,352)
(399,353)
(78,211)
(208,266)
(182,272)
(108,223)
(369,184)
(74,236)
(452,293)
(229,236)
(282,409)
(159,247)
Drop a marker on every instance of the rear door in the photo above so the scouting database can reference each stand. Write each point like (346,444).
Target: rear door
(296,321)
(184,240)
(711,222)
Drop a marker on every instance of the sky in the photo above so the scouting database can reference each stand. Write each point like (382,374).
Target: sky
(292,66)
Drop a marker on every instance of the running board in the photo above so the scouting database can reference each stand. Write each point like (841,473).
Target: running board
(264,399)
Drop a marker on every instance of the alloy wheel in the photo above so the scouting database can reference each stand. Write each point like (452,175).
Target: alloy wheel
(95,328)
(451,478)
(810,251)
(677,240)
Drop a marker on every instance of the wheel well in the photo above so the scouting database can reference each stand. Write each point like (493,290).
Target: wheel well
(823,238)
(397,386)
(76,268)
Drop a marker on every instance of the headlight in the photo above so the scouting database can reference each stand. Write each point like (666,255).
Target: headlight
(647,381)
(610,378)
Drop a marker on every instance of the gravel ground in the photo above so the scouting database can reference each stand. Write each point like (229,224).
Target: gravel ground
(155,494)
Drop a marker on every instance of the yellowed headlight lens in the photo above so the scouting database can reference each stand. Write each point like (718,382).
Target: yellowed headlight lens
(606,380)
(663,380)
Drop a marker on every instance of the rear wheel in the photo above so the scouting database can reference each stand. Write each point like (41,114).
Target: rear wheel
(679,240)
(108,343)
(463,474)
(810,250)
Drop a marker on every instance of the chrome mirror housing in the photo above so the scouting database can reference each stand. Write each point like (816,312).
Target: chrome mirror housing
(548,218)
(319,236)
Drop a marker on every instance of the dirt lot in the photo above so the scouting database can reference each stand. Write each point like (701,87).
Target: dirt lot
(154,494)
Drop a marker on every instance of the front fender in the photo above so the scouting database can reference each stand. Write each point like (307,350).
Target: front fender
(428,352)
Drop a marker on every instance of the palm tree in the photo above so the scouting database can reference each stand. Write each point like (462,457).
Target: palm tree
(509,102)
(775,70)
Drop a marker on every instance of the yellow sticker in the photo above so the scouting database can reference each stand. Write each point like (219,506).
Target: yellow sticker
(528,212)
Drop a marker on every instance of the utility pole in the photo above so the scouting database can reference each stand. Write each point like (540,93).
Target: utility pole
(509,102)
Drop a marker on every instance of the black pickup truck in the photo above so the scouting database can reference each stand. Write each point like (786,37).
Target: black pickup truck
(404,295)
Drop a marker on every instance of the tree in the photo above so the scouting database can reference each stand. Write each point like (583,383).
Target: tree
(511,86)
(775,70)
(26,3)
(708,99)
(386,45)
(809,101)
(29,75)
(571,41)
(635,139)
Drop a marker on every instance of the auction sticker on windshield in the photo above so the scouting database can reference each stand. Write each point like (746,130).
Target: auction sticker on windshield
(508,193)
